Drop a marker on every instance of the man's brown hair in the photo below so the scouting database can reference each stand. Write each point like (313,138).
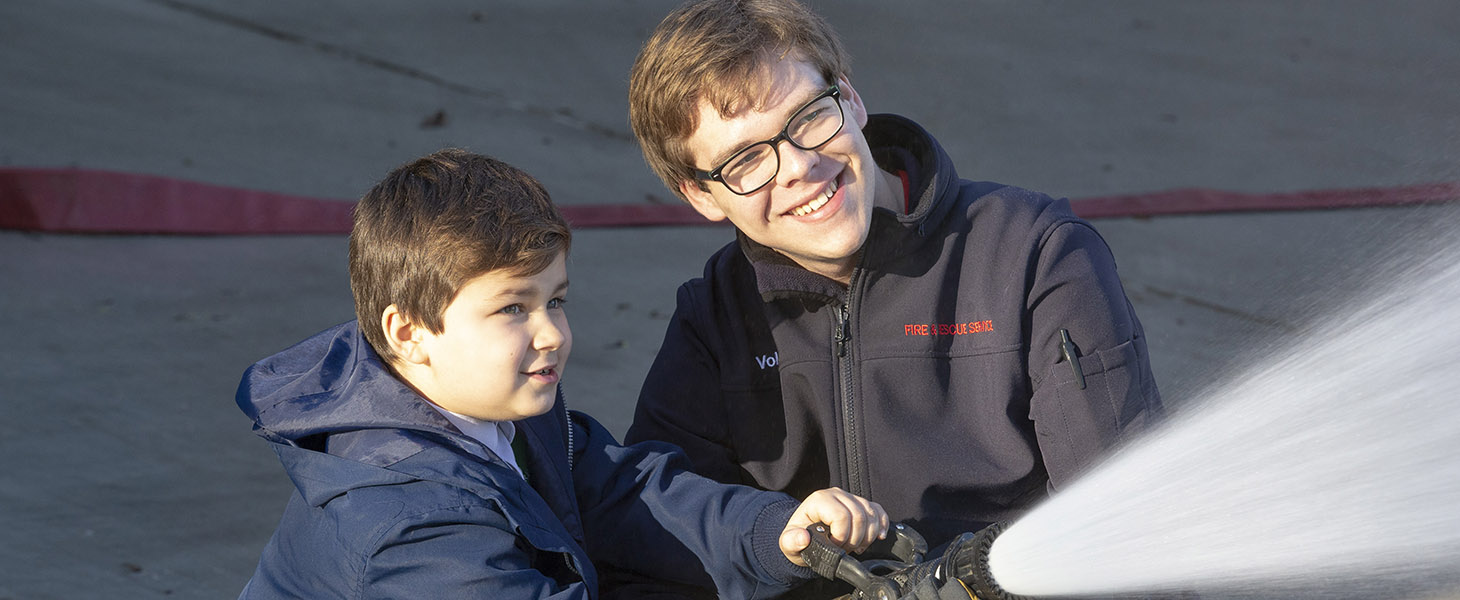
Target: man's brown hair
(435,223)
(717,50)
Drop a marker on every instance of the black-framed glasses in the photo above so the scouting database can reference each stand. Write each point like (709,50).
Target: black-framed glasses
(754,166)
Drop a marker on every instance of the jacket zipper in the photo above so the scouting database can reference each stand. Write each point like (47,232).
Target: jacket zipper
(568,435)
(568,425)
(846,372)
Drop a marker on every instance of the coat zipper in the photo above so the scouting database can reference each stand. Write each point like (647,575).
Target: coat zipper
(846,373)
(568,435)
(568,423)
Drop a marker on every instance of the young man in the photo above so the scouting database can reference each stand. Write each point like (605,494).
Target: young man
(429,445)
(951,349)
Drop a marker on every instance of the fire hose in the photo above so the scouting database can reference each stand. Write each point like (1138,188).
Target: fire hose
(966,561)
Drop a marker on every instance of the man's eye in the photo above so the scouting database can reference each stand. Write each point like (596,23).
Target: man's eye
(748,158)
(812,116)
(808,122)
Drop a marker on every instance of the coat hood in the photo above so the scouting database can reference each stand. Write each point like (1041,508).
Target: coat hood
(305,400)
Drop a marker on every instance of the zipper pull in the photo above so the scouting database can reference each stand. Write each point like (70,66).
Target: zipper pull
(843,330)
(1067,350)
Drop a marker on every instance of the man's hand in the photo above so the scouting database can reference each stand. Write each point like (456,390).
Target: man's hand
(855,522)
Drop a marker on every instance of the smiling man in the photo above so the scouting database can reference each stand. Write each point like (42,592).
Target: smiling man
(954,350)
(827,182)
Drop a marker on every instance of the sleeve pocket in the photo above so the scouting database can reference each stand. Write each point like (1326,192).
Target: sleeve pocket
(1076,426)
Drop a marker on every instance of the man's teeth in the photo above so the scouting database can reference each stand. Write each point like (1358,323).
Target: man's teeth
(814,205)
(810,207)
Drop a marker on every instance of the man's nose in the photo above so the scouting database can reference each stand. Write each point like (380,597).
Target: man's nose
(795,162)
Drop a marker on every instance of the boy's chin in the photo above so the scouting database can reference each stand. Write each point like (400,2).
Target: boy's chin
(522,408)
(543,405)
(545,408)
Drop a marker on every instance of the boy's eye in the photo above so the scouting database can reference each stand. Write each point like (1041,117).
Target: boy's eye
(557,302)
(515,309)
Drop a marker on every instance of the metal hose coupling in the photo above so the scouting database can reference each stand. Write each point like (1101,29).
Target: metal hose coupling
(968,560)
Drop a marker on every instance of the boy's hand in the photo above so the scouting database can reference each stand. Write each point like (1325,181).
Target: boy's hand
(855,522)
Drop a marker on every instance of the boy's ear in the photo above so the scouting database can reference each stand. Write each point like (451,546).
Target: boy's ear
(403,336)
(701,200)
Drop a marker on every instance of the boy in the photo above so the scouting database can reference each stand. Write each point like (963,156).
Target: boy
(949,348)
(429,445)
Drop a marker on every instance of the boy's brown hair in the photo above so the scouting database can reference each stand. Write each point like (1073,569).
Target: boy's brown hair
(435,223)
(717,50)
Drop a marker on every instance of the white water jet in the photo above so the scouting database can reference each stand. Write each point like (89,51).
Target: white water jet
(1332,470)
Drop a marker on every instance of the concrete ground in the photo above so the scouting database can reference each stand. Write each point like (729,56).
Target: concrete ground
(130,473)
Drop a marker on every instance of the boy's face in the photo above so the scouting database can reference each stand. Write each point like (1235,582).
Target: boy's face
(818,208)
(502,350)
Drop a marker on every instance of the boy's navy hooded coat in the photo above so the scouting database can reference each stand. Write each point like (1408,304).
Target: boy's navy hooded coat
(391,501)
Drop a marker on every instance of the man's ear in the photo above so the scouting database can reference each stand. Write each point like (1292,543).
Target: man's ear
(859,110)
(701,200)
(403,336)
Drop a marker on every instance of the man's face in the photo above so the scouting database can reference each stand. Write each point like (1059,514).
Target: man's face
(818,208)
(502,350)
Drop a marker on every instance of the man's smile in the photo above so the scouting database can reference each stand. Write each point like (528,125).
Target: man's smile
(816,203)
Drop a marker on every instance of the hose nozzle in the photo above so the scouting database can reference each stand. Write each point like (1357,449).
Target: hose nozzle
(968,560)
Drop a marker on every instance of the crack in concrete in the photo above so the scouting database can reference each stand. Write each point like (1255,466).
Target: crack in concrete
(1226,310)
(561,115)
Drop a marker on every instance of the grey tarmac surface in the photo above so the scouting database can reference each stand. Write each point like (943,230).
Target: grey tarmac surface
(130,473)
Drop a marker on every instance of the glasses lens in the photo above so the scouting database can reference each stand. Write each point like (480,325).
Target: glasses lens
(750,169)
(815,124)
(809,128)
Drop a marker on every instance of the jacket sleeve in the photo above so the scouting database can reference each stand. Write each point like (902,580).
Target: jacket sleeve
(644,512)
(464,552)
(1083,408)
(682,401)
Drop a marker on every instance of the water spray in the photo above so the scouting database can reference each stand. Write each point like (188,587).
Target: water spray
(1331,469)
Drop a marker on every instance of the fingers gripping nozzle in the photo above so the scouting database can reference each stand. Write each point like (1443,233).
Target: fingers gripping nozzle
(830,561)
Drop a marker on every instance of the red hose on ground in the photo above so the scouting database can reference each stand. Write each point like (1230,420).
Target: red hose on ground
(73,200)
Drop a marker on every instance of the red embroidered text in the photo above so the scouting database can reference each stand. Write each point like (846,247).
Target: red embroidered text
(947,328)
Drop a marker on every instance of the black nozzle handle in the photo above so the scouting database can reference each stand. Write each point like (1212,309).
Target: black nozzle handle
(908,545)
(830,561)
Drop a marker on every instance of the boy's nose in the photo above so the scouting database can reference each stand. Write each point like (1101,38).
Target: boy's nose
(551,335)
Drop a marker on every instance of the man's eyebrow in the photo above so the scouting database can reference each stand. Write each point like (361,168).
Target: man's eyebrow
(725,156)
